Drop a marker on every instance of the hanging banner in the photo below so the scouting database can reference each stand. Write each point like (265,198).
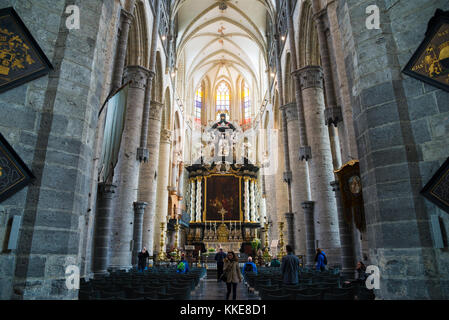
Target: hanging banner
(21,58)
(430,63)
(14,174)
(437,189)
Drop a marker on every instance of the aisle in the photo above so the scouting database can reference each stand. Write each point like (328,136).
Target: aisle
(209,289)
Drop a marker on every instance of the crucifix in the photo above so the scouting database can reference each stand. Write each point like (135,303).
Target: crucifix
(222,212)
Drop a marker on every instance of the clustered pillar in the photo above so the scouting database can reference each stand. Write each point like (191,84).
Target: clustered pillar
(299,177)
(103,224)
(162,188)
(320,164)
(128,168)
(148,179)
(139,209)
(308,207)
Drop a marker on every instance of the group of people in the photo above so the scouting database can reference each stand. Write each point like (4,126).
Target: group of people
(143,256)
(228,269)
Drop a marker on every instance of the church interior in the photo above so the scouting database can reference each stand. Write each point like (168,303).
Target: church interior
(186,126)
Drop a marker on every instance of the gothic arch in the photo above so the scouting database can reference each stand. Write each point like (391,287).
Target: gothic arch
(309,51)
(137,52)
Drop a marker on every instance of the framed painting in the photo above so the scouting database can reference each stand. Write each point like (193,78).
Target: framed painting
(430,62)
(14,174)
(437,189)
(222,198)
(21,58)
(351,193)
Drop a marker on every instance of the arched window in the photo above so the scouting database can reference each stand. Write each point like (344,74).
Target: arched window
(223,100)
(246,104)
(198,104)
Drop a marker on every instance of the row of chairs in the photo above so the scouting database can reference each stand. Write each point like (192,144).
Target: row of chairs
(149,285)
(312,285)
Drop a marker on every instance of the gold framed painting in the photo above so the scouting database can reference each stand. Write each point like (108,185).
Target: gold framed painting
(21,58)
(430,62)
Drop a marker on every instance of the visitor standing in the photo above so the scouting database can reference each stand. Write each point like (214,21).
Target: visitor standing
(232,274)
(290,267)
(219,257)
(321,260)
(142,259)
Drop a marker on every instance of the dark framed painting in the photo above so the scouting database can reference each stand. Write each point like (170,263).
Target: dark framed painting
(430,62)
(14,174)
(222,198)
(21,58)
(351,193)
(437,189)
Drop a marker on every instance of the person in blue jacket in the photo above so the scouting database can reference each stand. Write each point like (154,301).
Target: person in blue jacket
(321,260)
(183,266)
(249,266)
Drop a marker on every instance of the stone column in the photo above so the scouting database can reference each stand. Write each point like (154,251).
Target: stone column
(346,236)
(128,168)
(320,165)
(192,200)
(289,218)
(310,232)
(162,186)
(126,18)
(332,113)
(299,177)
(147,178)
(304,148)
(143,152)
(103,223)
(246,199)
(199,195)
(139,210)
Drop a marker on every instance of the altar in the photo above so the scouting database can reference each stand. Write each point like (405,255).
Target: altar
(224,194)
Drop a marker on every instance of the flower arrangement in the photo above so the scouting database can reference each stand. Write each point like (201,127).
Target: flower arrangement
(255,244)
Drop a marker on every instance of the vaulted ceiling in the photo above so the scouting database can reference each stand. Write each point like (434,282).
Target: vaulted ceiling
(221,43)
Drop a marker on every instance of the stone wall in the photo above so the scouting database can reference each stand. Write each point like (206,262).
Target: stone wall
(51,123)
(402,133)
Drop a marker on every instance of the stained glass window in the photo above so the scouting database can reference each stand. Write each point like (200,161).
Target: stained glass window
(198,104)
(246,104)
(223,100)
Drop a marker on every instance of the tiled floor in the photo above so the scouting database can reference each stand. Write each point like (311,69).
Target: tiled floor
(209,289)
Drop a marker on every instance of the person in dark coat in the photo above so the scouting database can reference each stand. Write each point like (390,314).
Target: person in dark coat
(290,267)
(219,257)
(142,257)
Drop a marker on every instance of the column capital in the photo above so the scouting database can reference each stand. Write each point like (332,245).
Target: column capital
(106,190)
(289,216)
(310,77)
(166,136)
(155,110)
(126,16)
(290,110)
(333,115)
(137,75)
(308,206)
(288,176)
(335,186)
(139,207)
(151,75)
(143,155)
(305,153)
